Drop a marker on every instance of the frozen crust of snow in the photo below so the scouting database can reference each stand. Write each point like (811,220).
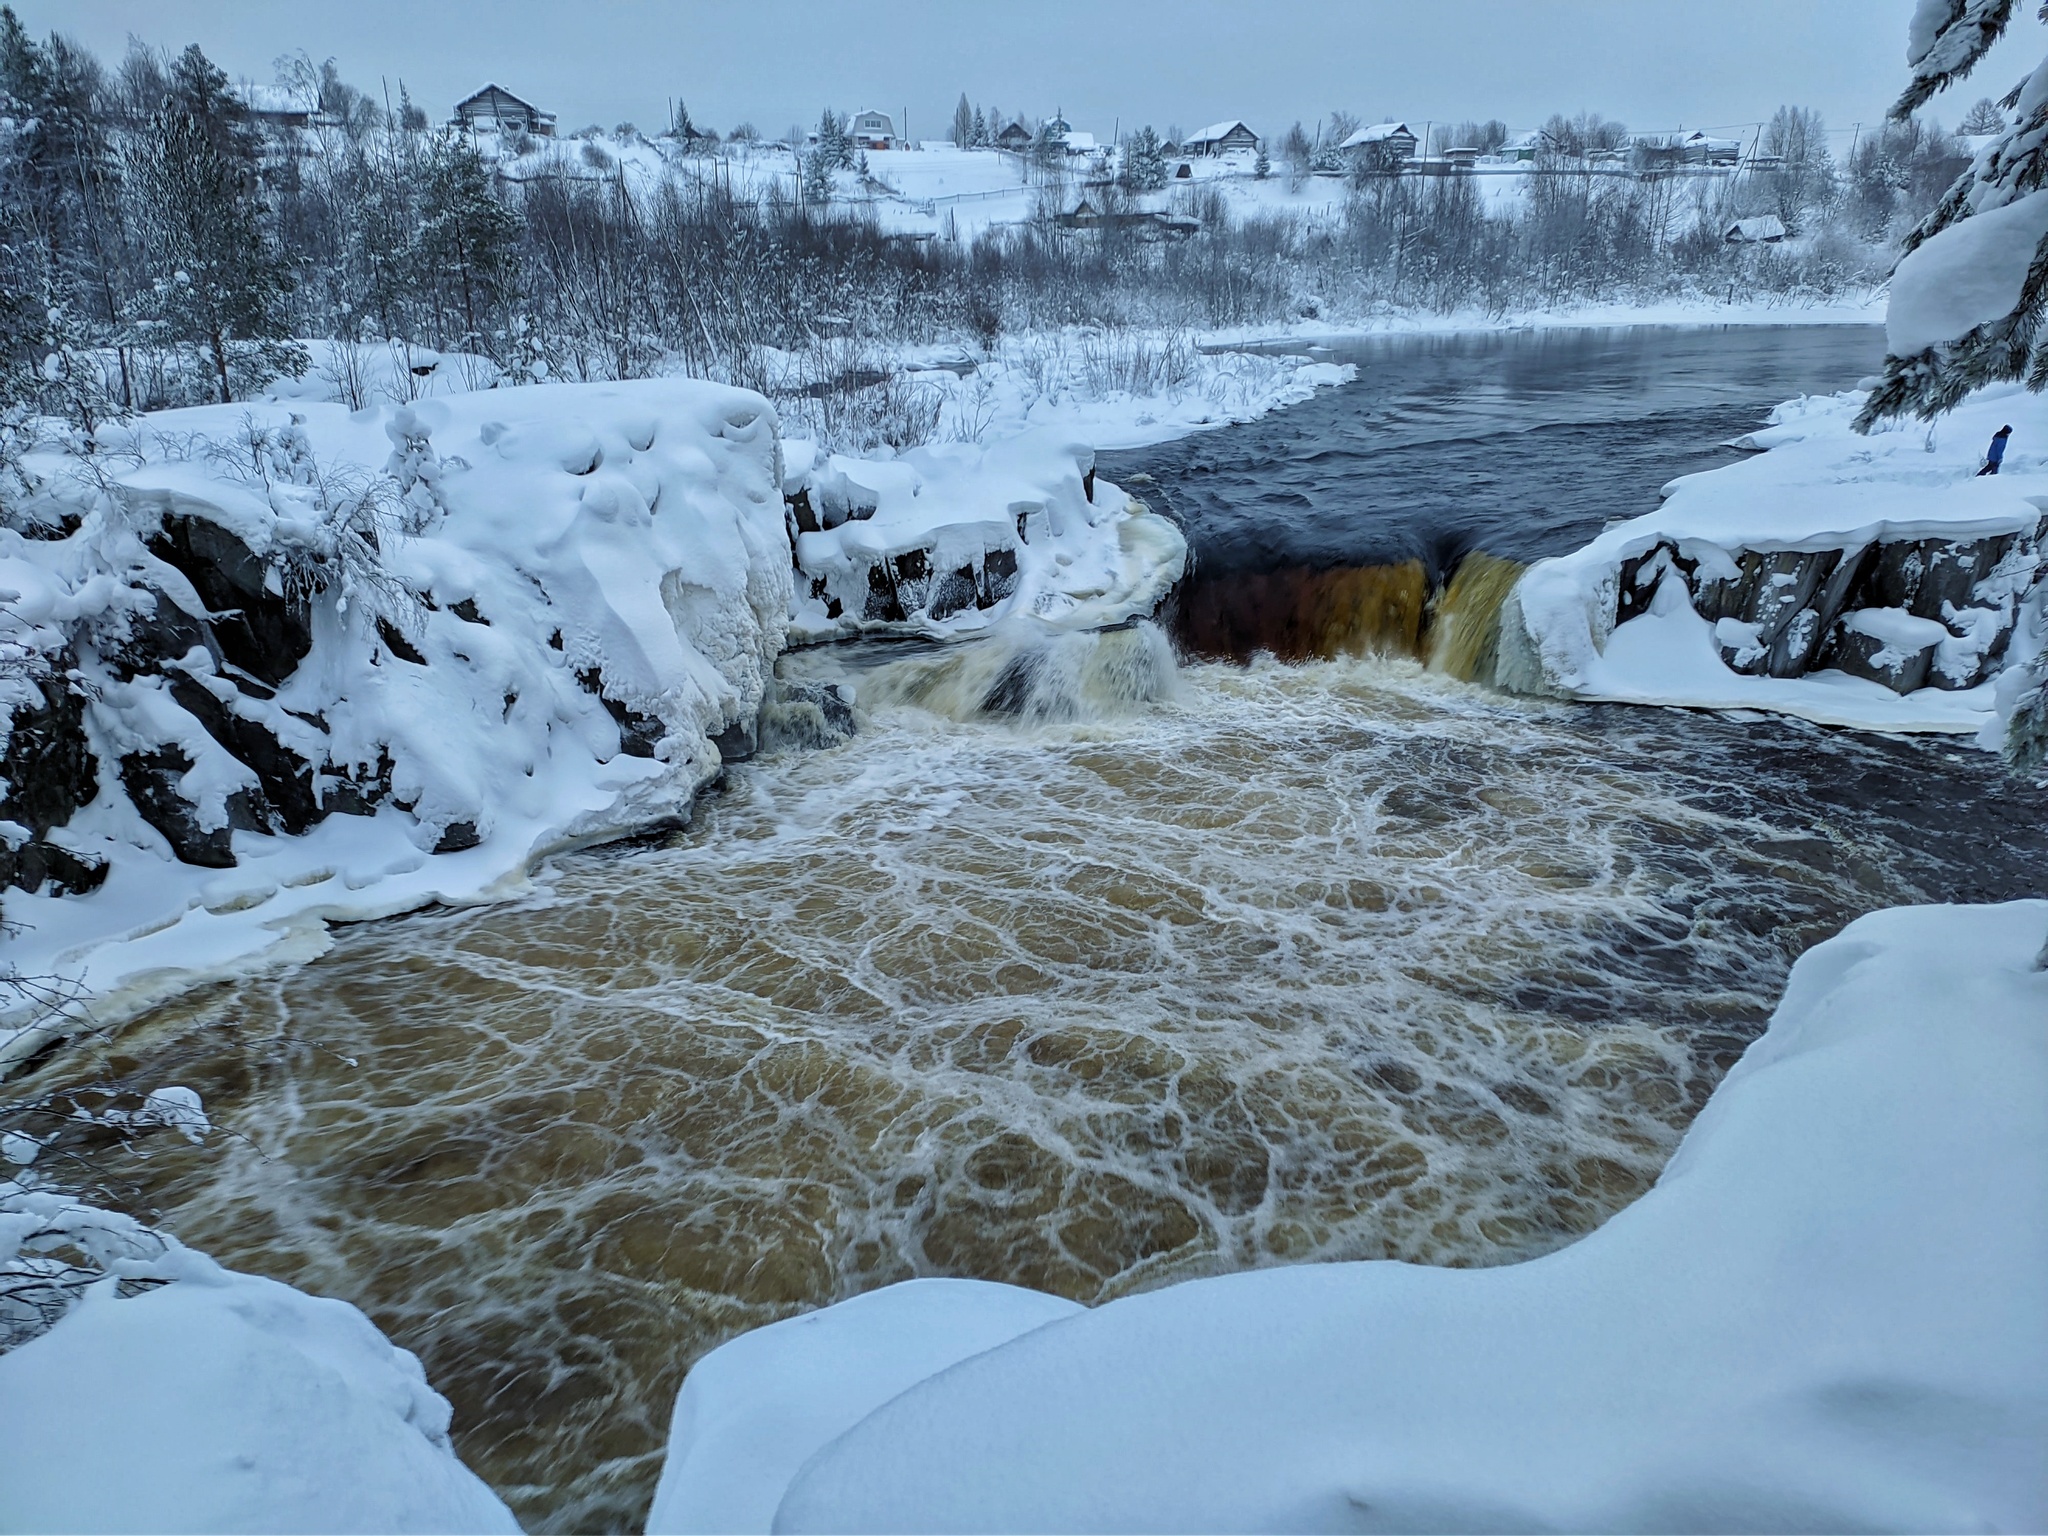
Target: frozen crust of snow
(1819,487)
(1831,1313)
(220,1402)
(755,1409)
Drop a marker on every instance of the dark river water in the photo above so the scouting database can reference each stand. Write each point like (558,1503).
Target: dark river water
(1187,967)
(1519,443)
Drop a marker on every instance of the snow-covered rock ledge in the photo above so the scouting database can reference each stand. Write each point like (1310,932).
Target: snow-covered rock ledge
(1830,1314)
(1870,582)
(948,541)
(268,667)
(291,664)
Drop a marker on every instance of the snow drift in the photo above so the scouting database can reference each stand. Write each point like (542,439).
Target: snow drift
(1872,582)
(1831,1313)
(176,1395)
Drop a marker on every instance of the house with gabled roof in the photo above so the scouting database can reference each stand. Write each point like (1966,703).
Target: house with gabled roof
(1390,141)
(1220,138)
(496,110)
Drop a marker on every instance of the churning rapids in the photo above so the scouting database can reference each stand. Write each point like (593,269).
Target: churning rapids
(1077,967)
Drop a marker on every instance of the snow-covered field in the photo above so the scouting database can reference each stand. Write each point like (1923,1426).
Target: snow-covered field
(1830,1314)
(1907,589)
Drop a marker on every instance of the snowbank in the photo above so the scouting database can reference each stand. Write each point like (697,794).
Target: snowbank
(1872,582)
(295,688)
(754,1410)
(212,1401)
(952,539)
(1831,1313)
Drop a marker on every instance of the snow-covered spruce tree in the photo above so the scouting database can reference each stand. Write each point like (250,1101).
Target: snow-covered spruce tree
(1968,294)
(467,239)
(1262,167)
(1144,162)
(835,144)
(220,286)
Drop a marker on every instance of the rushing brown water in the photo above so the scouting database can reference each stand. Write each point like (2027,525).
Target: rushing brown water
(1074,969)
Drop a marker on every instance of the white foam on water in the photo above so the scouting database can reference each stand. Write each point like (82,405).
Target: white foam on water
(1071,969)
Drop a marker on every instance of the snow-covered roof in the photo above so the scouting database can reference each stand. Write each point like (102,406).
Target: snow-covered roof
(1079,142)
(1711,142)
(1764,226)
(516,101)
(1377,133)
(1215,133)
(276,100)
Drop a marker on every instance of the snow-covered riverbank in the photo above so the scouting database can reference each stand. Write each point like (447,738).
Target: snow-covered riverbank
(1829,1313)
(1868,581)
(276,666)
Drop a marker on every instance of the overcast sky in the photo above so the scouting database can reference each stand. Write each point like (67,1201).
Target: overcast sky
(1655,64)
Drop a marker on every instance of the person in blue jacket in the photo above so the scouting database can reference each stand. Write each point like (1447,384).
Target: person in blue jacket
(1995,454)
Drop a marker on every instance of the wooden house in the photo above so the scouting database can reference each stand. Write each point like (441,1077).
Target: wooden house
(1390,143)
(1763,229)
(872,130)
(496,110)
(1220,139)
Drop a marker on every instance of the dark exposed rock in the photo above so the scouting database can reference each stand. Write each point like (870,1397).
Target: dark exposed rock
(50,772)
(356,793)
(151,780)
(804,513)
(639,734)
(49,767)
(1920,575)
(165,633)
(952,593)
(1790,605)
(468,612)
(287,802)
(457,836)
(37,864)
(736,743)
(1643,574)
(396,643)
(998,576)
(913,573)
(1899,668)
(265,633)
(1774,591)
(883,605)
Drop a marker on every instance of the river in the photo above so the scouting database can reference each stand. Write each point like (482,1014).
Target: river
(1159,967)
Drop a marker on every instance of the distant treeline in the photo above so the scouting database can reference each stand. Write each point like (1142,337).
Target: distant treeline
(160,243)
